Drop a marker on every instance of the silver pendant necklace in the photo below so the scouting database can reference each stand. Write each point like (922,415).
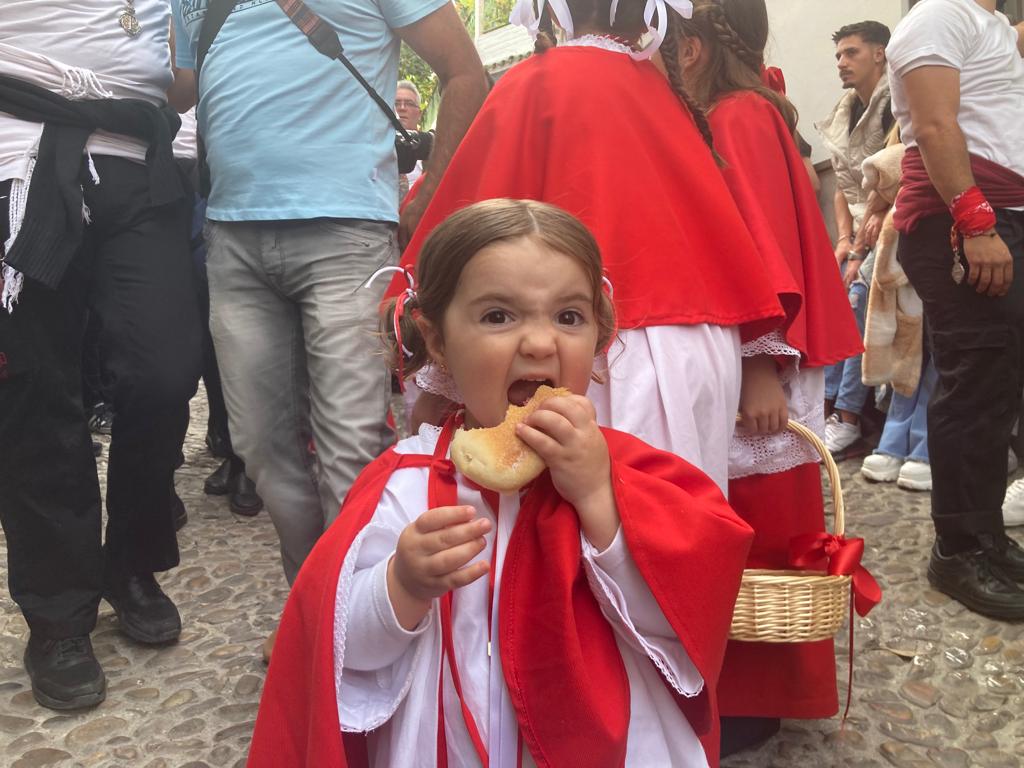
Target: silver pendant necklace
(128,20)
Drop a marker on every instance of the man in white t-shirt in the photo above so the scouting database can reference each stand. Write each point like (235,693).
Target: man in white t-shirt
(93,218)
(957,81)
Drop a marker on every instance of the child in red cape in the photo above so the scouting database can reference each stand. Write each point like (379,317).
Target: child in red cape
(774,480)
(580,621)
(593,127)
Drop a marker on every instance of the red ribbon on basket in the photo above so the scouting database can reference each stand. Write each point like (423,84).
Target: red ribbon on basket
(843,558)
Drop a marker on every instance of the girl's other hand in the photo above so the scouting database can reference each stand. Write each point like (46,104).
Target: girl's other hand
(431,559)
(763,408)
(564,433)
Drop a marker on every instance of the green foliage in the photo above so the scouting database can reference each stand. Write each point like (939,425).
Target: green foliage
(412,67)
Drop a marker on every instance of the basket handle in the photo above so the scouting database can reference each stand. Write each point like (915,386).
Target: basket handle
(830,467)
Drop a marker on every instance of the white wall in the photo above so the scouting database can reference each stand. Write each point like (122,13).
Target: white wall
(801,44)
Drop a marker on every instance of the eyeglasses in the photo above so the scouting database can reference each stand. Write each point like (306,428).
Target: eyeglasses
(407,103)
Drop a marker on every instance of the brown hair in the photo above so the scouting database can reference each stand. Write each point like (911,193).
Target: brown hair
(629,24)
(455,241)
(735,32)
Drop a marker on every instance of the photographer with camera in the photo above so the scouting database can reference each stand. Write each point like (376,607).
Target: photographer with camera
(302,209)
(407,107)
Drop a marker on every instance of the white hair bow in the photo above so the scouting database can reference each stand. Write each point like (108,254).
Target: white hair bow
(524,15)
(683,7)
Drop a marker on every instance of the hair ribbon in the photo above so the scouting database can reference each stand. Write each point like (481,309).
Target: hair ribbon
(409,294)
(683,7)
(525,15)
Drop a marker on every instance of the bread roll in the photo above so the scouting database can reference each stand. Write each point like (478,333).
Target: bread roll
(494,457)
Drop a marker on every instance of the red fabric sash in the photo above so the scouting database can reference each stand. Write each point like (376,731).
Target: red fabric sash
(559,658)
(918,199)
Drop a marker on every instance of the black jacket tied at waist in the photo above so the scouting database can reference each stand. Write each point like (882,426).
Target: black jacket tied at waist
(52,228)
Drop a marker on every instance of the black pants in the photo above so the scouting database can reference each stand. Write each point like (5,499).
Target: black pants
(134,274)
(976,343)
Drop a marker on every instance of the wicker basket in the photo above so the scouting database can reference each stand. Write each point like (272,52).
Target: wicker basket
(794,606)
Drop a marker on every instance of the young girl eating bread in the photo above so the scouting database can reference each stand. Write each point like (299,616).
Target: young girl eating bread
(578,620)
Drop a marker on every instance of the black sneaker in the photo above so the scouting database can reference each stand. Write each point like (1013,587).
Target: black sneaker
(1010,557)
(975,579)
(144,612)
(65,673)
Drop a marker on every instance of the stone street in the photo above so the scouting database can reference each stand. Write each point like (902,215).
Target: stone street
(934,685)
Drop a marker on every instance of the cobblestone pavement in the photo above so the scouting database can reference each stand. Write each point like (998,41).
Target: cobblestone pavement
(934,684)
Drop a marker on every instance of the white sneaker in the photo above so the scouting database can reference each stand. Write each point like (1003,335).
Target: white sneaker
(839,435)
(915,476)
(880,468)
(1013,504)
(1011,462)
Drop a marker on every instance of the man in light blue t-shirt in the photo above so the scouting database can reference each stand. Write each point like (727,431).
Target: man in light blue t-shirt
(303,209)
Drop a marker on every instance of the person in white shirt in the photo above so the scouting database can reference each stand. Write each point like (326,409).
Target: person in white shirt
(94,218)
(957,80)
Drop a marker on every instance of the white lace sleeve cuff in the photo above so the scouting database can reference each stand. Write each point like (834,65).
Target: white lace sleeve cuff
(627,603)
(773,344)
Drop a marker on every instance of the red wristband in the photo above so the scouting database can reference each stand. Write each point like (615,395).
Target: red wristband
(972,214)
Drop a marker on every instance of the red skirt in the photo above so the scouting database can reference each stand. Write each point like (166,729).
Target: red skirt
(791,680)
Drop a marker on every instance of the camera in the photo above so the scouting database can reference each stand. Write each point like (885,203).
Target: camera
(416,147)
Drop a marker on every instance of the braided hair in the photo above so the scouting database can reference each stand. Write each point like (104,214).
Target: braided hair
(736,33)
(670,55)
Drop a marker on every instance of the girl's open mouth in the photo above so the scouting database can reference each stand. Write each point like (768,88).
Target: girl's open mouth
(523,389)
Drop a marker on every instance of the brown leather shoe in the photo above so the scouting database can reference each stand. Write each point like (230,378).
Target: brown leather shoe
(268,646)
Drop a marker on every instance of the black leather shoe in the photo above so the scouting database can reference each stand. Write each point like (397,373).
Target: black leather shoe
(65,673)
(217,443)
(101,419)
(220,480)
(1009,557)
(143,611)
(244,500)
(976,580)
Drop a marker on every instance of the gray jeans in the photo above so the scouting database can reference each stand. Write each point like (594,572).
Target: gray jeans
(295,337)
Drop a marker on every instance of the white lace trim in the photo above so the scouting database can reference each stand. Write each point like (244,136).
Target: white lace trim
(598,583)
(596,41)
(771,454)
(437,381)
(773,343)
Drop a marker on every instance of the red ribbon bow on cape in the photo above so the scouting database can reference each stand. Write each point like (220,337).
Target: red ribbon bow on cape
(843,556)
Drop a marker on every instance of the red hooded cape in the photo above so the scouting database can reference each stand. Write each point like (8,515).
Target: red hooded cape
(606,139)
(768,180)
(559,658)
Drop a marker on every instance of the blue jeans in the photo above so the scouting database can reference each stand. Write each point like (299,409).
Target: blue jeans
(842,380)
(905,434)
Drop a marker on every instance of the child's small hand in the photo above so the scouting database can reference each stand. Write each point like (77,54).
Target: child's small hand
(763,408)
(431,559)
(564,432)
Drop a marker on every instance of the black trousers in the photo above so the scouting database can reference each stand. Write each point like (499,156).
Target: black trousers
(134,275)
(976,343)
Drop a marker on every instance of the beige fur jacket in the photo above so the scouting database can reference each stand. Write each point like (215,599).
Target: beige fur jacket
(893,328)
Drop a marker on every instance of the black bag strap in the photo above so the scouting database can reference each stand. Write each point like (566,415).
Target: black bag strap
(217,13)
(326,41)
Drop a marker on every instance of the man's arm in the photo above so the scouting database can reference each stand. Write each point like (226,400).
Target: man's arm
(844,225)
(181,96)
(442,41)
(933,94)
